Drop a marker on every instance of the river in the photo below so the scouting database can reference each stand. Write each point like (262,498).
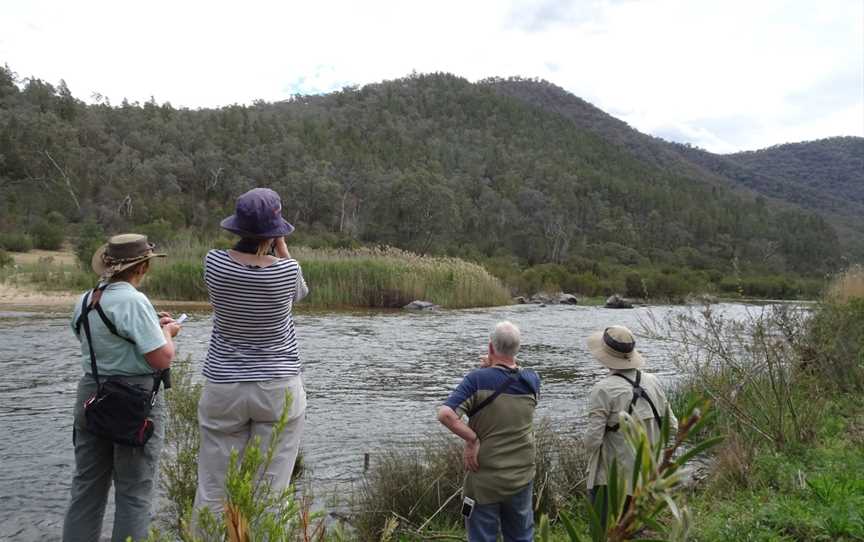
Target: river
(374,380)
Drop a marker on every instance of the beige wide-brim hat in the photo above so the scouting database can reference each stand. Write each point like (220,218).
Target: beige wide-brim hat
(615,347)
(122,252)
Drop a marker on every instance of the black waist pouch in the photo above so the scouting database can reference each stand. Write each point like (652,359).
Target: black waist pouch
(120,411)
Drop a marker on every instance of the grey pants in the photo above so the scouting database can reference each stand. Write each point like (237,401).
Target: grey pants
(230,416)
(98,463)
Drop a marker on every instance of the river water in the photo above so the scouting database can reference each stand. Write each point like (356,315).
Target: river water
(374,380)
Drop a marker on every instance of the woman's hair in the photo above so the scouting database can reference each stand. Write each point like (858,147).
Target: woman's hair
(127,274)
(264,246)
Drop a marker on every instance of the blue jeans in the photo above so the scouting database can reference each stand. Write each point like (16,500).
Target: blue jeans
(514,514)
(98,463)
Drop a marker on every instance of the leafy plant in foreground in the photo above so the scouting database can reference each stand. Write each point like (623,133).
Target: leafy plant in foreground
(656,479)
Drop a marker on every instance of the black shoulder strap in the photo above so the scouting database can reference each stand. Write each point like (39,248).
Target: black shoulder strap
(500,389)
(159,377)
(639,392)
(84,318)
(104,317)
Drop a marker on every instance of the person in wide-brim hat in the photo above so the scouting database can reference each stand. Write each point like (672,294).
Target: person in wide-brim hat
(122,252)
(122,338)
(625,389)
(258,215)
(253,355)
(615,348)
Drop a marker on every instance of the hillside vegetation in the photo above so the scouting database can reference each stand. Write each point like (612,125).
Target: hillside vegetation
(825,176)
(429,163)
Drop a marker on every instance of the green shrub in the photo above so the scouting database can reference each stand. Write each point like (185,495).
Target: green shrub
(159,231)
(179,465)
(48,235)
(633,286)
(834,347)
(90,238)
(16,242)
(6,260)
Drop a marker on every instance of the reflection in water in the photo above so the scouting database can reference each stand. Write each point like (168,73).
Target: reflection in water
(374,379)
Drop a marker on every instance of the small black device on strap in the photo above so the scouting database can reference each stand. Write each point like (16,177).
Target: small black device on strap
(501,387)
(638,392)
(118,411)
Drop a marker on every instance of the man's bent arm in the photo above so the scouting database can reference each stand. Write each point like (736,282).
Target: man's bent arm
(598,414)
(452,421)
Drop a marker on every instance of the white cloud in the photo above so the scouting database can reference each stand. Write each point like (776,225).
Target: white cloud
(726,75)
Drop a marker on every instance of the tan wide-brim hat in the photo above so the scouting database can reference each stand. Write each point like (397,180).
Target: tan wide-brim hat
(615,347)
(122,252)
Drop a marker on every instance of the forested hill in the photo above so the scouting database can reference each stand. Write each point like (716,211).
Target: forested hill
(826,176)
(834,166)
(431,163)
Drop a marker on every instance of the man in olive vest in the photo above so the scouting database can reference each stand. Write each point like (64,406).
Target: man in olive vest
(499,400)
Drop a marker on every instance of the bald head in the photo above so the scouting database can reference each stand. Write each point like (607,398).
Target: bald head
(505,339)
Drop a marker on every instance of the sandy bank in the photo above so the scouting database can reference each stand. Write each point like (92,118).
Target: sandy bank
(16,297)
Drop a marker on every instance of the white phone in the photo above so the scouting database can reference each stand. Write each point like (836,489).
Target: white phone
(182,318)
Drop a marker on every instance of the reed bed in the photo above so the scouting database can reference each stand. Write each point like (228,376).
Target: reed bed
(338,278)
(847,286)
(391,278)
(343,278)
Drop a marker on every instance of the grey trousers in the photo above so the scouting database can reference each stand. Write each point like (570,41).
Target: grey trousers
(230,416)
(99,462)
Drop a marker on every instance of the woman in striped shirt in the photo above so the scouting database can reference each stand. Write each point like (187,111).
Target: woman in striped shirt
(252,361)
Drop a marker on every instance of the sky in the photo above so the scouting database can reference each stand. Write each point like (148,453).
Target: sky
(724,75)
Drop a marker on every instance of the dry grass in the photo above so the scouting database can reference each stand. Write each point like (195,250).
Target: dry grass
(847,286)
(45,257)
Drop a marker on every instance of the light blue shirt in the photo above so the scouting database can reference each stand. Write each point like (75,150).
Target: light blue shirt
(135,318)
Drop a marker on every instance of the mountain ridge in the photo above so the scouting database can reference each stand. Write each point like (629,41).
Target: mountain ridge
(431,163)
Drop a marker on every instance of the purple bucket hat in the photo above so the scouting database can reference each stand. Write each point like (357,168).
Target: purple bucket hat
(258,215)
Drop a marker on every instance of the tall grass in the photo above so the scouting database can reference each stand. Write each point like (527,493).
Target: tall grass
(48,275)
(421,485)
(847,286)
(393,278)
(339,278)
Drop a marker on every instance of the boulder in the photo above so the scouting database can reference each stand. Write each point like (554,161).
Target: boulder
(541,299)
(617,302)
(567,299)
(420,306)
(519,300)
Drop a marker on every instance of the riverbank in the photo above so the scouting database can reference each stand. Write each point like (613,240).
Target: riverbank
(339,279)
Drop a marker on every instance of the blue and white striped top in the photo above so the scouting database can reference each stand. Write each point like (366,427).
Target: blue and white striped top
(253,331)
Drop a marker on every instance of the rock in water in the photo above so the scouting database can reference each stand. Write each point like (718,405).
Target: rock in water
(519,300)
(420,306)
(618,302)
(567,299)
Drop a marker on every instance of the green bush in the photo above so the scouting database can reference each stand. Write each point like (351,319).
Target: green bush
(48,235)
(834,349)
(159,231)
(633,286)
(6,260)
(90,238)
(16,242)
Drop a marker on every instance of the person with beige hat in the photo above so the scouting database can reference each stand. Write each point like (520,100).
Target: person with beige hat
(125,342)
(624,389)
